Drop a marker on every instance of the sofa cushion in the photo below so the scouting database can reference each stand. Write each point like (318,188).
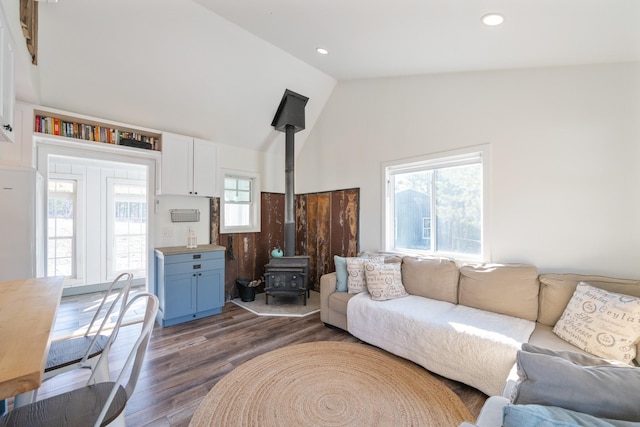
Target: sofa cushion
(577,382)
(435,278)
(543,336)
(384,281)
(603,323)
(557,289)
(465,344)
(550,416)
(510,289)
(357,282)
(338,301)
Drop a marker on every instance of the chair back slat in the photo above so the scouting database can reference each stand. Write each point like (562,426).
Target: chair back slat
(123,294)
(133,364)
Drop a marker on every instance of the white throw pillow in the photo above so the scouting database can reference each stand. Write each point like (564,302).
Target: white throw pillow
(602,323)
(357,282)
(384,281)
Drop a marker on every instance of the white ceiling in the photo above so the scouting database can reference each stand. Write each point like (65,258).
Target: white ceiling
(217,69)
(380,38)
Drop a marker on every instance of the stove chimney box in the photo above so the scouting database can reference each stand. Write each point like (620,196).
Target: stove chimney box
(290,112)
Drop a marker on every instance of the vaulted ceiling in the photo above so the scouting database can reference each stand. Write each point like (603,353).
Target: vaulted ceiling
(381,38)
(216,69)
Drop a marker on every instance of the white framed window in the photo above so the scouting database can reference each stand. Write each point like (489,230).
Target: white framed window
(126,227)
(438,204)
(240,202)
(62,227)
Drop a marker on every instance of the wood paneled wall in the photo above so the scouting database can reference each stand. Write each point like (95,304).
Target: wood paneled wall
(326,225)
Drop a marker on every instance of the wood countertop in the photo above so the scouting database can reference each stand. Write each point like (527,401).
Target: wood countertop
(27,313)
(177,250)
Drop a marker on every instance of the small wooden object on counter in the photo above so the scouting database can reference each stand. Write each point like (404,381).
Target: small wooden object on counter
(27,313)
(189,283)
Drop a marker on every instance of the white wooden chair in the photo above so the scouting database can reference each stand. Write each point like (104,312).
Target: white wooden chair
(97,403)
(83,351)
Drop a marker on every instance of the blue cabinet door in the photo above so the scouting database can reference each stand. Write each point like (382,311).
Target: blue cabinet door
(180,295)
(210,290)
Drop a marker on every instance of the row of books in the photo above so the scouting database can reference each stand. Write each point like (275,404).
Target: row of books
(108,135)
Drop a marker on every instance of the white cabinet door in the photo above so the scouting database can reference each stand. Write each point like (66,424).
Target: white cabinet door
(188,166)
(7,88)
(176,158)
(204,168)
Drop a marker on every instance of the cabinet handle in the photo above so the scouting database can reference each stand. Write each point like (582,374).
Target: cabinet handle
(196,266)
(198,256)
(8,127)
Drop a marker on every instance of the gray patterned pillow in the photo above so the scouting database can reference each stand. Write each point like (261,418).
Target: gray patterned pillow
(384,281)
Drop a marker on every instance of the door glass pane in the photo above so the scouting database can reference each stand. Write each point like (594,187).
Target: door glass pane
(61,222)
(128,251)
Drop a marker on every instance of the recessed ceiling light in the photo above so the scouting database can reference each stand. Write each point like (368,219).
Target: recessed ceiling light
(322,51)
(492,19)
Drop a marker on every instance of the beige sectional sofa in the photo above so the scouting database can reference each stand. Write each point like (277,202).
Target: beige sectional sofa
(464,322)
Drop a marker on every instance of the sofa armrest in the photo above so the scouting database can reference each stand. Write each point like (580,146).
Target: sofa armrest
(327,287)
(491,412)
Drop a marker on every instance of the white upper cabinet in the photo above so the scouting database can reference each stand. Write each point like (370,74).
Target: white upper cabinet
(204,168)
(176,154)
(7,88)
(188,166)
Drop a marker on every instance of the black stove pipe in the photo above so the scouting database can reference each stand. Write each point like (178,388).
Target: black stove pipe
(289,193)
(289,119)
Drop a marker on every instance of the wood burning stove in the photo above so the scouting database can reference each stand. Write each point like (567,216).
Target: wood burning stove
(288,275)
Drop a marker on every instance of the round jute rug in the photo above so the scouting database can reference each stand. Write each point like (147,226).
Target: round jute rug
(330,384)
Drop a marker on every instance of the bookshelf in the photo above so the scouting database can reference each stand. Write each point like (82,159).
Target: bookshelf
(69,127)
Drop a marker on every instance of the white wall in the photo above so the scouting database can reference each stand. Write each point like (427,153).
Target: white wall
(269,165)
(169,233)
(565,150)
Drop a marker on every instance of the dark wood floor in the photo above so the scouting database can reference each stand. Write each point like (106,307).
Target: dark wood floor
(185,361)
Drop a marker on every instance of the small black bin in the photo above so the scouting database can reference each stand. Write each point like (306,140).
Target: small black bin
(247,293)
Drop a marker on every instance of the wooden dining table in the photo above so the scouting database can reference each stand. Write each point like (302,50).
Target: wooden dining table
(27,314)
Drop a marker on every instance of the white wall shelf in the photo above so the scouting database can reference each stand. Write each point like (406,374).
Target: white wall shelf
(80,128)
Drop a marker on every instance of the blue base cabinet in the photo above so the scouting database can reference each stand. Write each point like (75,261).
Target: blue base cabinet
(189,283)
